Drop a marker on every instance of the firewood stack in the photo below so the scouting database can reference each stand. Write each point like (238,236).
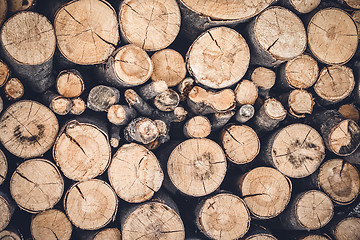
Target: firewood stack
(179,119)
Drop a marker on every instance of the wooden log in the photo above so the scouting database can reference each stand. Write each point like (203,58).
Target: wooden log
(28,129)
(203,102)
(4,73)
(178,115)
(346,229)
(163,137)
(120,114)
(39,190)
(152,89)
(332,36)
(51,224)
(78,106)
(265,191)
(90,204)
(82,150)
(202,161)
(58,104)
(141,130)
(349,111)
(270,114)
(310,236)
(224,214)
(219,120)
(276,35)
(300,72)
(258,233)
(335,83)
(246,92)
(296,150)
(3,10)
(128,66)
(3,167)
(301,7)
(299,102)
(14,89)
(69,83)
(245,113)
(7,208)
(20,5)
(135,101)
(167,101)
(135,173)
(309,210)
(218,58)
(169,66)
(240,143)
(28,43)
(102,97)
(152,25)
(341,135)
(86,37)
(356,16)
(197,127)
(11,234)
(107,233)
(353,3)
(114,136)
(264,79)
(1,104)
(184,87)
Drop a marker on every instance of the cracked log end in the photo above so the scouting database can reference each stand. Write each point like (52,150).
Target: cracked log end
(51,224)
(90,205)
(3,167)
(36,185)
(70,84)
(197,127)
(344,137)
(265,191)
(89,35)
(347,229)
(135,173)
(300,102)
(197,167)
(4,73)
(78,106)
(108,234)
(332,36)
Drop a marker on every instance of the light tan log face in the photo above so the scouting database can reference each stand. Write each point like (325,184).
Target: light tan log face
(300,102)
(69,84)
(6,213)
(29,38)
(224,216)
(197,127)
(263,77)
(108,234)
(304,6)
(153,220)
(86,31)
(36,185)
(197,167)
(332,36)
(51,225)
(302,71)
(298,150)
(246,92)
(150,24)
(261,237)
(3,167)
(218,58)
(348,229)
(91,204)
(4,73)
(344,137)
(28,129)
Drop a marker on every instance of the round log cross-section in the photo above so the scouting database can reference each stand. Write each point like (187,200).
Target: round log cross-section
(197,167)
(70,84)
(197,127)
(347,229)
(108,234)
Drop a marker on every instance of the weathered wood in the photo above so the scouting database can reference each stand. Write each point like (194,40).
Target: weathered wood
(51,224)
(264,79)
(91,204)
(301,7)
(69,83)
(265,191)
(86,37)
(78,106)
(270,114)
(151,25)
(349,111)
(224,214)
(332,36)
(28,129)
(135,101)
(299,102)
(58,104)
(28,43)
(14,89)
(3,10)
(36,185)
(184,87)
(3,167)
(4,73)
(7,208)
(167,101)
(141,130)
(120,114)
(20,5)
(219,120)
(197,127)
(196,167)
(245,113)
(218,58)
(353,3)
(163,137)
(246,92)
(135,173)
(152,89)
(346,229)
(101,97)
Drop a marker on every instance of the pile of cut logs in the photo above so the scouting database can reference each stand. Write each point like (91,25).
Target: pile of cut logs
(179,119)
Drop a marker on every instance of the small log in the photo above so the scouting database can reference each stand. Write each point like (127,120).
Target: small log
(341,135)
(3,10)
(335,83)
(51,224)
(86,37)
(219,120)
(3,167)
(301,7)
(78,106)
(36,191)
(224,214)
(14,89)
(82,150)
(114,136)
(120,114)
(58,104)
(300,72)
(270,114)
(102,97)
(352,3)
(258,233)
(7,208)
(246,92)
(4,72)
(241,143)
(218,58)
(11,234)
(202,161)
(309,210)
(349,111)
(245,113)
(152,25)
(299,102)
(135,101)
(184,87)
(167,101)
(152,89)
(128,66)
(91,204)
(264,79)
(30,136)
(69,83)
(296,150)
(346,229)
(108,234)
(203,102)
(163,137)
(28,41)
(178,115)
(141,130)
(265,191)
(169,66)
(197,127)
(332,36)
(276,35)
(20,5)
(143,176)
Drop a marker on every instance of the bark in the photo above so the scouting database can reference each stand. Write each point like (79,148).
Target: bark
(141,130)
(20,5)
(3,10)
(349,111)
(3,167)
(184,87)
(219,120)
(135,101)
(120,114)
(152,89)
(114,135)
(245,113)
(270,114)
(167,101)
(58,104)
(102,97)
